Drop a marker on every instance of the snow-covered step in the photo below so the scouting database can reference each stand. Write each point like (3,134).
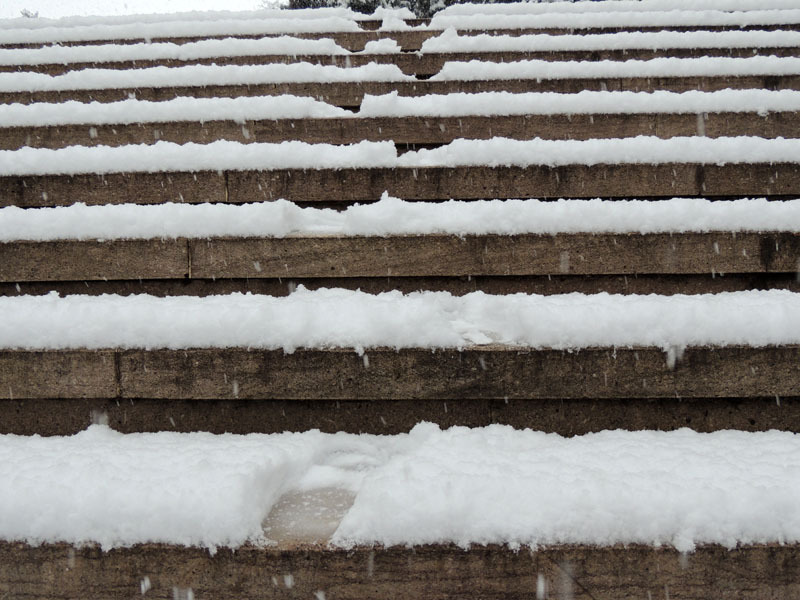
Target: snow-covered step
(411,39)
(406,131)
(404,120)
(460,486)
(534,8)
(490,104)
(199,16)
(610,19)
(271,22)
(450,41)
(431,243)
(347,86)
(236,173)
(478,322)
(435,52)
(255,26)
(671,485)
(674,358)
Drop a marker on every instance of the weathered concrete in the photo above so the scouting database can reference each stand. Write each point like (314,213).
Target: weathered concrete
(401,256)
(409,131)
(343,186)
(411,63)
(482,372)
(94,260)
(74,373)
(567,417)
(350,94)
(447,255)
(435,572)
(113,188)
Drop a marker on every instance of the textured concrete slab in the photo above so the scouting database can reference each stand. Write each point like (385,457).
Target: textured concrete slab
(113,188)
(338,187)
(410,63)
(63,374)
(349,95)
(402,256)
(409,132)
(446,255)
(435,572)
(309,517)
(481,372)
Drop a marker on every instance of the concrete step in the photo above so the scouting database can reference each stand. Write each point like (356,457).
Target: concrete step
(418,256)
(411,63)
(437,572)
(492,372)
(409,132)
(350,95)
(412,40)
(339,187)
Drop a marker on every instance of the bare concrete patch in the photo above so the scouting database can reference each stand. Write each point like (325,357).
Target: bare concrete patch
(308,517)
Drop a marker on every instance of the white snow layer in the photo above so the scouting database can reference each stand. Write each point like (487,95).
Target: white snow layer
(633,19)
(287,23)
(391,216)
(183,108)
(204,75)
(532,8)
(206,13)
(166,50)
(707,66)
(219,155)
(199,75)
(466,486)
(495,152)
(337,318)
(536,103)
(49,10)
(244,108)
(450,41)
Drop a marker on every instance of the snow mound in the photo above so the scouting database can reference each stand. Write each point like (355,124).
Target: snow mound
(496,152)
(337,318)
(391,216)
(465,486)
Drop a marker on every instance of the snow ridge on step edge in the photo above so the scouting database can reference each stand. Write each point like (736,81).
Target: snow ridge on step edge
(244,108)
(200,75)
(464,486)
(583,6)
(669,18)
(473,70)
(337,318)
(450,41)
(496,152)
(392,216)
